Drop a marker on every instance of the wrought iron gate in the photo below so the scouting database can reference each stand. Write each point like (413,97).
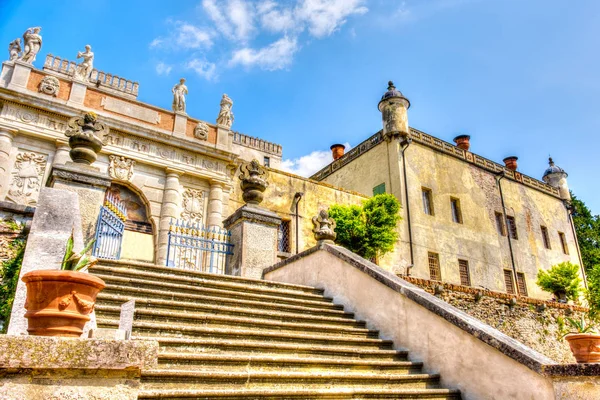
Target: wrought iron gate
(192,246)
(109,229)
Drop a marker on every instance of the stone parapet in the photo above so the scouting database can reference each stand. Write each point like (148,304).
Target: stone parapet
(256,143)
(43,368)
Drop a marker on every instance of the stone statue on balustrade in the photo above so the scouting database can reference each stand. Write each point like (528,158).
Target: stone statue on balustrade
(84,70)
(324,227)
(179,92)
(225,117)
(14,49)
(33,43)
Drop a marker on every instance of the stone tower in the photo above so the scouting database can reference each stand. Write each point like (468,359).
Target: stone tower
(393,107)
(557,177)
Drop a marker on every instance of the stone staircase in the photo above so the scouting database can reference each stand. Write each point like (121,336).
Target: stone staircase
(224,337)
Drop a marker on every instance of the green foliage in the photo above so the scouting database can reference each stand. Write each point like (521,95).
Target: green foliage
(76,261)
(10,277)
(593,293)
(587,228)
(580,326)
(561,277)
(370,230)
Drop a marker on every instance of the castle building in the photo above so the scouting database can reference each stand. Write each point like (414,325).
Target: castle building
(466,219)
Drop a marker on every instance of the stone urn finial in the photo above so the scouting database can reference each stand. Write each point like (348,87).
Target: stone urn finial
(253,182)
(85,138)
(324,227)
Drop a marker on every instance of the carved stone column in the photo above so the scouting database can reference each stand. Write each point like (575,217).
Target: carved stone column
(169,210)
(215,204)
(6,141)
(61,156)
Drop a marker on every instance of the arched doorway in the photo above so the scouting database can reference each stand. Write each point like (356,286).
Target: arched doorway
(138,237)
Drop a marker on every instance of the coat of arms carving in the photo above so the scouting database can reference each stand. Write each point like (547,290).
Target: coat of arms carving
(193,205)
(27,178)
(120,168)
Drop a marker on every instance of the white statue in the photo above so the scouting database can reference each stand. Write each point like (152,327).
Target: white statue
(33,43)
(179,92)
(14,49)
(83,70)
(225,117)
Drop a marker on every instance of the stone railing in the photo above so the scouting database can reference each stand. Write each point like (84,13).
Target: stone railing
(101,79)
(443,146)
(256,143)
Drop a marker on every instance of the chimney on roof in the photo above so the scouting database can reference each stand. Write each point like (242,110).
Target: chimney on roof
(337,151)
(511,163)
(463,142)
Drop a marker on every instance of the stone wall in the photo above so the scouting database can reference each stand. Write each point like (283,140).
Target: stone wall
(536,323)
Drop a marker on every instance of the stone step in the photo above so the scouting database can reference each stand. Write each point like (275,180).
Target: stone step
(377,351)
(142,328)
(119,265)
(214,378)
(122,294)
(210,281)
(267,362)
(304,394)
(183,287)
(340,319)
(347,327)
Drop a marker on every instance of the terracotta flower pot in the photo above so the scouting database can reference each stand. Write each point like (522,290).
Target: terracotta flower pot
(585,347)
(59,302)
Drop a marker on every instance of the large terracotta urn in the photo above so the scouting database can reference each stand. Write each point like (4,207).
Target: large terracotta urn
(585,347)
(59,302)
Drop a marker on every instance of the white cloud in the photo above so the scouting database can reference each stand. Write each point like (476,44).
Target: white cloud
(326,16)
(309,164)
(191,37)
(277,55)
(163,69)
(233,18)
(274,19)
(157,42)
(203,68)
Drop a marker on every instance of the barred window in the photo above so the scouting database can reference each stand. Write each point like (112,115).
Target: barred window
(508,281)
(379,189)
(283,236)
(267,162)
(456,213)
(463,267)
(427,201)
(545,237)
(563,242)
(512,227)
(500,224)
(434,267)
(521,285)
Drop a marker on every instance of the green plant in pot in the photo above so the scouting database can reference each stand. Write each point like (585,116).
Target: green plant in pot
(59,301)
(562,280)
(584,340)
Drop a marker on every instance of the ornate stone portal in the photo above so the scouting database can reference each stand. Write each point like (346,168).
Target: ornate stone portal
(49,85)
(120,168)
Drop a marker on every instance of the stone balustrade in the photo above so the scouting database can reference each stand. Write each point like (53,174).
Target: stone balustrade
(101,79)
(256,143)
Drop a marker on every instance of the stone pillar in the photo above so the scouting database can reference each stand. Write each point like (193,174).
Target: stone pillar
(61,156)
(254,237)
(20,76)
(215,204)
(6,141)
(180,125)
(224,138)
(89,184)
(78,91)
(169,210)
(6,73)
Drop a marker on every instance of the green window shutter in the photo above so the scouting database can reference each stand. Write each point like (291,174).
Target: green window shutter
(379,189)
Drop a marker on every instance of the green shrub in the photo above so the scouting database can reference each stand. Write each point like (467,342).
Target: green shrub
(563,277)
(593,293)
(10,277)
(370,230)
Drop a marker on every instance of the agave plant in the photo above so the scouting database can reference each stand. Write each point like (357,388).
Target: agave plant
(580,326)
(77,261)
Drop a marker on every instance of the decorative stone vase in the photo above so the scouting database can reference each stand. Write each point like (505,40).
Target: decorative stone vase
(85,138)
(59,302)
(463,142)
(585,347)
(253,184)
(324,227)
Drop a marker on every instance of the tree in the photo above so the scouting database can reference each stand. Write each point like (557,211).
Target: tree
(587,228)
(370,230)
(593,292)
(563,277)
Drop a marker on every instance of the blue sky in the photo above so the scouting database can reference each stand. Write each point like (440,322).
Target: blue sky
(521,77)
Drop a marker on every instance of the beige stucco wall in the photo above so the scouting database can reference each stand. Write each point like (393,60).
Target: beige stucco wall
(464,362)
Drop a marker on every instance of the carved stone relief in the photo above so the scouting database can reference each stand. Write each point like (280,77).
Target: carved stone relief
(49,85)
(201,131)
(193,205)
(27,175)
(120,168)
